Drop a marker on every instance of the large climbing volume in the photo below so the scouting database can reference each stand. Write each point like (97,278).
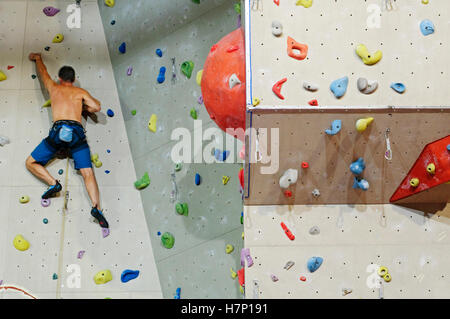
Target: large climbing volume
(431,169)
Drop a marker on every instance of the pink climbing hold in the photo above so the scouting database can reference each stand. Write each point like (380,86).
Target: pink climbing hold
(50,11)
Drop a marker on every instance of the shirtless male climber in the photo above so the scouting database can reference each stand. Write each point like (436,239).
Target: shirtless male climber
(67,133)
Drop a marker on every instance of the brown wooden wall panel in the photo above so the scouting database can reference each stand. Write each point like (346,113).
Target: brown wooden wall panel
(303,138)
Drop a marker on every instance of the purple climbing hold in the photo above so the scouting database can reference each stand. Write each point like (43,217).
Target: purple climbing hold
(81,254)
(105,232)
(129,71)
(245,256)
(50,11)
(45,202)
(200,100)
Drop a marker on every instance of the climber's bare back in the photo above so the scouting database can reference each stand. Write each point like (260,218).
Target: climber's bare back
(67,102)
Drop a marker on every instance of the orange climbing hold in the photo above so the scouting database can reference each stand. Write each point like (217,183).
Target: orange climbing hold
(277,2)
(233,48)
(435,153)
(226,106)
(294,46)
(277,88)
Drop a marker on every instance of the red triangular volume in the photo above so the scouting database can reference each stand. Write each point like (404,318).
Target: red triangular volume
(437,153)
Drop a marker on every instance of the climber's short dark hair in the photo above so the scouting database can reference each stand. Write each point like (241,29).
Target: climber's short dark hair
(67,74)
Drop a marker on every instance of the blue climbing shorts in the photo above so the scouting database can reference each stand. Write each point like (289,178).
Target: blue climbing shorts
(65,135)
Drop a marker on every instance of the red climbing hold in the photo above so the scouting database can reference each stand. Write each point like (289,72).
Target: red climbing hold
(302,278)
(10,67)
(277,2)
(241,177)
(313,103)
(287,231)
(288,193)
(434,153)
(241,276)
(224,105)
(305,165)
(233,48)
(277,88)
(294,46)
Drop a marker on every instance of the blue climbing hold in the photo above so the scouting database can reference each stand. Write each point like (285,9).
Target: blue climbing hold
(314,263)
(426,27)
(177,293)
(128,275)
(162,75)
(45,221)
(360,183)
(197,179)
(221,156)
(108,151)
(123,48)
(398,87)
(336,127)
(358,166)
(339,87)
(60,172)
(113,22)
(110,113)
(159,233)
(159,52)
(107,172)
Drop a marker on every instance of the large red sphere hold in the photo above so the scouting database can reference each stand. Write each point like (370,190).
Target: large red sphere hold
(225,104)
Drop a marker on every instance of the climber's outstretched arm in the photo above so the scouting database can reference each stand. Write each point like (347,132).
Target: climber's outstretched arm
(42,70)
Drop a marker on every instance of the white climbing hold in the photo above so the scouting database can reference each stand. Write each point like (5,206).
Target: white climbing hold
(314,230)
(310,86)
(316,192)
(233,81)
(289,177)
(4,140)
(277,28)
(367,87)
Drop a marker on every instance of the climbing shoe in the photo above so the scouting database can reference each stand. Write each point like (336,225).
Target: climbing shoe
(52,191)
(98,215)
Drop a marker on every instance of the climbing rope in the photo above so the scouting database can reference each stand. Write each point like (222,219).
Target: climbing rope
(63,228)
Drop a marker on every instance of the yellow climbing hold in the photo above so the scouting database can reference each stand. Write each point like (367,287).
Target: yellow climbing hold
(364,54)
(414,182)
(110,3)
(199,77)
(58,38)
(233,273)
(256,101)
(431,168)
(425,1)
(102,277)
(242,235)
(152,123)
(47,104)
(362,124)
(305,3)
(229,249)
(21,243)
(241,289)
(225,180)
(3,76)
(24,199)
(96,161)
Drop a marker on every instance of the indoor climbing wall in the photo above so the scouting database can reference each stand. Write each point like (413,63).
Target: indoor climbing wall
(182,31)
(53,266)
(303,93)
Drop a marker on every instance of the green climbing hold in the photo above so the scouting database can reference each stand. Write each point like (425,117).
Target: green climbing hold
(55,276)
(237,8)
(194,113)
(167,240)
(187,68)
(196,1)
(178,167)
(143,182)
(182,209)
(133,112)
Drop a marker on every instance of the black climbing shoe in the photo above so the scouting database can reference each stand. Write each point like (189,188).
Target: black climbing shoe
(98,215)
(52,190)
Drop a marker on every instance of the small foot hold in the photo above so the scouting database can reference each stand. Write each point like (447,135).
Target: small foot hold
(398,87)
(50,11)
(304,3)
(58,38)
(277,28)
